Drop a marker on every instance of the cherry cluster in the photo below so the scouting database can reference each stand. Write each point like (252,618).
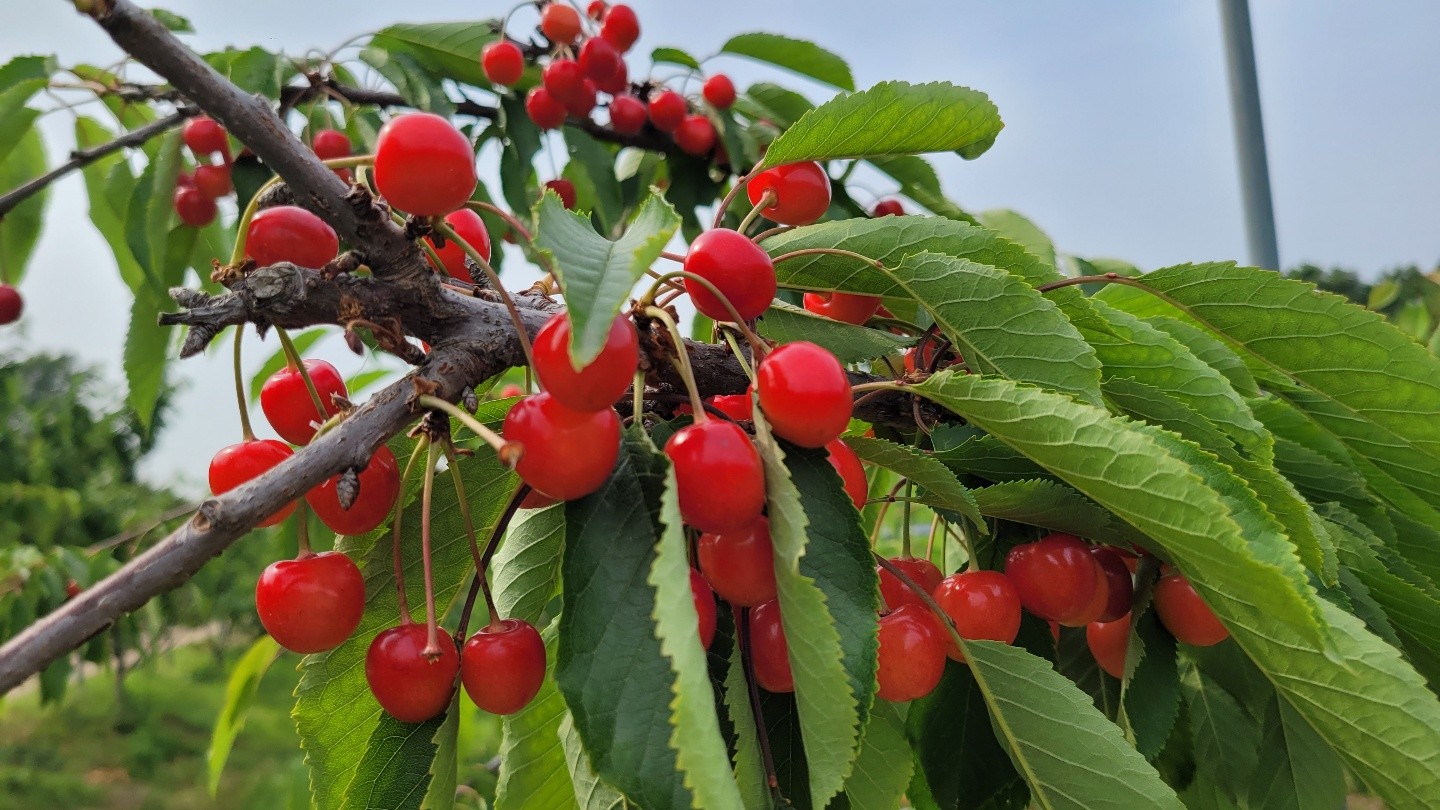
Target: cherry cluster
(196,192)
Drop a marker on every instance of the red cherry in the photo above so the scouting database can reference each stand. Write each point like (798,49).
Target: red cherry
(330,144)
(895,593)
(768,650)
(695,136)
(923,357)
(805,393)
(852,472)
(843,307)
(204,136)
(704,607)
(536,499)
(11,304)
(667,110)
(287,403)
(562,79)
(580,105)
(311,604)
(719,91)
(503,63)
(911,657)
(595,10)
(560,23)
(888,208)
(565,190)
(409,686)
(739,564)
(195,209)
(736,406)
(1109,642)
(1185,614)
(511,390)
(718,475)
(72,589)
(213,181)
(621,27)
(568,453)
(627,114)
(598,58)
(802,192)
(423,165)
(596,386)
(1099,600)
(544,109)
(737,267)
(502,666)
(1119,587)
(239,463)
(1055,577)
(617,82)
(471,228)
(288,233)
(379,487)
(983,604)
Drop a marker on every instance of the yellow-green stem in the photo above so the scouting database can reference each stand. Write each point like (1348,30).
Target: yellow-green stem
(432,631)
(240,400)
(444,229)
(398,560)
(508,451)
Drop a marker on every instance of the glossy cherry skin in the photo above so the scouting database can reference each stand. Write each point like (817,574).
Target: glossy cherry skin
(895,594)
(595,10)
(843,307)
(1119,586)
(409,686)
(695,136)
(565,190)
(596,386)
(213,181)
(193,207)
(379,487)
(471,228)
(805,393)
(423,165)
(502,666)
(239,463)
(621,27)
(580,105)
(719,91)
(598,59)
(560,23)
(616,83)
(911,658)
(11,304)
(1055,576)
(736,406)
(287,403)
(852,472)
(568,453)
(1109,642)
(718,476)
(503,63)
(888,208)
(311,604)
(738,268)
(739,564)
(627,114)
(769,652)
(983,604)
(667,110)
(288,233)
(802,192)
(330,144)
(1185,614)
(704,607)
(205,136)
(562,79)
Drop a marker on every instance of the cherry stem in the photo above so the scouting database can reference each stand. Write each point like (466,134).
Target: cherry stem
(884,508)
(766,234)
(674,257)
(509,452)
(302,528)
(747,662)
(453,461)
(479,584)
(766,200)
(510,219)
(395,521)
(739,355)
(246,432)
(930,538)
(432,631)
(637,390)
(724,206)
(292,356)
(1101,278)
(905,517)
(443,228)
(945,620)
(878,385)
(850,254)
(739,322)
(682,361)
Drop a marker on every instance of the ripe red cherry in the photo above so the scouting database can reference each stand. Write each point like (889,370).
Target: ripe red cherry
(704,607)
(194,208)
(911,658)
(1185,614)
(736,406)
(667,110)
(852,472)
(598,58)
(983,605)
(737,267)
(287,403)
(1109,642)
(627,114)
(562,79)
(510,390)
(73,589)
(895,593)
(544,109)
(502,666)
(617,82)
(769,652)
(503,63)
(471,228)
(330,144)
(409,686)
(565,190)
(843,307)
(802,192)
(536,499)
(739,564)
(204,136)
(11,304)
(719,91)
(888,208)
(288,233)
(213,181)
(423,165)
(379,487)
(1119,587)
(805,393)
(1055,576)
(596,386)
(695,136)
(239,463)
(596,9)
(560,23)
(568,453)
(312,603)
(580,105)
(718,476)
(621,27)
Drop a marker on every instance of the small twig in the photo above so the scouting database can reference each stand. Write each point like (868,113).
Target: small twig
(747,661)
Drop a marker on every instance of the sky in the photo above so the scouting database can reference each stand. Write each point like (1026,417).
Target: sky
(1117,142)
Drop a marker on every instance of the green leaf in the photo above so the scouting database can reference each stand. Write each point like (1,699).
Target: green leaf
(785,323)
(942,488)
(891,118)
(882,771)
(748,761)
(173,22)
(239,693)
(26,68)
(395,772)
(447,50)
(955,747)
(254,70)
(1014,226)
(1212,351)
(597,165)
(1150,697)
(590,793)
(796,55)
(146,354)
(147,221)
(534,774)
(1049,505)
(674,56)
(987,457)
(919,182)
(1295,769)
(526,568)
(15,118)
(596,274)
(20,228)
(417,85)
(1226,740)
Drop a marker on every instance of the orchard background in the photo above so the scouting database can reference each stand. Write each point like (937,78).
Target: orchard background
(1286,470)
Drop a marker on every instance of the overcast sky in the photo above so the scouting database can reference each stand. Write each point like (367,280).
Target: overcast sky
(1117,137)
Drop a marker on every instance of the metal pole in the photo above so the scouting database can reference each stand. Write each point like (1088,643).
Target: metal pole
(1249,134)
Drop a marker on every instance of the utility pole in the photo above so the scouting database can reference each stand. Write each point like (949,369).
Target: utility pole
(1249,134)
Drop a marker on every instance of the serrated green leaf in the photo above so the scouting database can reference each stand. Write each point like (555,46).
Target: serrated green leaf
(1212,351)
(1295,769)
(942,488)
(1150,697)
(173,22)
(919,182)
(526,569)
(1017,228)
(446,50)
(956,751)
(674,56)
(1074,660)
(26,68)
(590,792)
(882,770)
(534,774)
(849,343)
(254,70)
(987,457)
(748,761)
(15,118)
(1226,740)
(1050,505)
(146,354)
(597,164)
(395,771)
(240,691)
(421,88)
(891,118)
(20,228)
(148,218)
(797,55)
